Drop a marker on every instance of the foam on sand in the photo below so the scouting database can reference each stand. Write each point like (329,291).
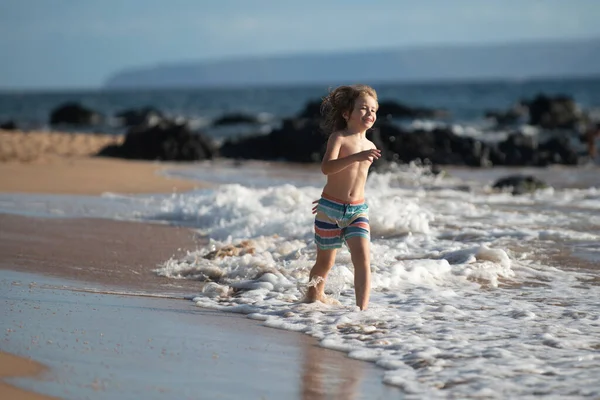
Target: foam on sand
(475,292)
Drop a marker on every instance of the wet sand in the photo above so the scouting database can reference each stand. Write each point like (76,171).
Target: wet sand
(54,278)
(12,366)
(109,254)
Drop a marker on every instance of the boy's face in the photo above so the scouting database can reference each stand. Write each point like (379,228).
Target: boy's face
(364,113)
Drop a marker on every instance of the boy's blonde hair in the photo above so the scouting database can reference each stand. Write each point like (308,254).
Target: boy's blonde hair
(339,101)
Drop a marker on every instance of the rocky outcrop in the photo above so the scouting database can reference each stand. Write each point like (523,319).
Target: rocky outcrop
(514,116)
(523,150)
(166,141)
(74,114)
(8,126)
(520,184)
(298,140)
(152,136)
(393,109)
(439,146)
(235,118)
(559,112)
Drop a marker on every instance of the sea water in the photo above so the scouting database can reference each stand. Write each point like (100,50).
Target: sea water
(466,102)
(476,293)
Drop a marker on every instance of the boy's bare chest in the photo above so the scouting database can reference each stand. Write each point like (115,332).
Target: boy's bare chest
(352,147)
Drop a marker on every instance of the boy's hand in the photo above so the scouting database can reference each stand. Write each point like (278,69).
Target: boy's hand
(368,155)
(314,209)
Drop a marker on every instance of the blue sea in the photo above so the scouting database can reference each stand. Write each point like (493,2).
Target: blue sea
(476,293)
(466,102)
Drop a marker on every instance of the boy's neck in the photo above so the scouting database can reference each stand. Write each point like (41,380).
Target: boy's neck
(351,132)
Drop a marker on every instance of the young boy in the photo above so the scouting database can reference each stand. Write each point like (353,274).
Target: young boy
(341,213)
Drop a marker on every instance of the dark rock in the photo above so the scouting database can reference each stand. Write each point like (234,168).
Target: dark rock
(258,147)
(236,118)
(520,184)
(8,126)
(393,109)
(166,141)
(525,150)
(559,151)
(312,109)
(112,150)
(74,114)
(439,146)
(301,140)
(514,116)
(559,112)
(517,149)
(146,116)
(298,140)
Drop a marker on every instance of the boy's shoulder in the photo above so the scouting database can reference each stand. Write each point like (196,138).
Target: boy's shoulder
(337,135)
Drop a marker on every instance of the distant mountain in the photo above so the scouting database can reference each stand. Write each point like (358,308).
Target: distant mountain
(465,62)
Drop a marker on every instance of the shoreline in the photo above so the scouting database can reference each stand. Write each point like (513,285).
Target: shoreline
(111,255)
(56,277)
(64,163)
(99,346)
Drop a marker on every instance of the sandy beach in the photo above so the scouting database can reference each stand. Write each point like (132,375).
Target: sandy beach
(39,146)
(79,296)
(64,163)
(12,366)
(84,311)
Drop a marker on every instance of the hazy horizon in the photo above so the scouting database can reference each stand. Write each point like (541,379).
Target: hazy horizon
(101,85)
(374,50)
(68,44)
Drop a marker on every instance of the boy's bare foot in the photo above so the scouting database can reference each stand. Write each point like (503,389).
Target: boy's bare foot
(313,297)
(330,301)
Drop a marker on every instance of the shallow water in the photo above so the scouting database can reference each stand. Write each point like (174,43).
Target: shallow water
(476,293)
(128,347)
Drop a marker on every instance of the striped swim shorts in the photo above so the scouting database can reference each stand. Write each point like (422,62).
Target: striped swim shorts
(337,221)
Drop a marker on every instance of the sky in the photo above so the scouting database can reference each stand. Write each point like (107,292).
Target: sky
(53,44)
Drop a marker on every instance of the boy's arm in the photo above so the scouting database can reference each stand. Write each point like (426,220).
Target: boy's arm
(331,163)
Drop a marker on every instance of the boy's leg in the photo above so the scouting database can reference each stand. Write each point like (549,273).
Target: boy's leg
(361,259)
(318,274)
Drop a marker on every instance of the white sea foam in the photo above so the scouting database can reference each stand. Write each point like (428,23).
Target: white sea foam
(463,305)
(454,311)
